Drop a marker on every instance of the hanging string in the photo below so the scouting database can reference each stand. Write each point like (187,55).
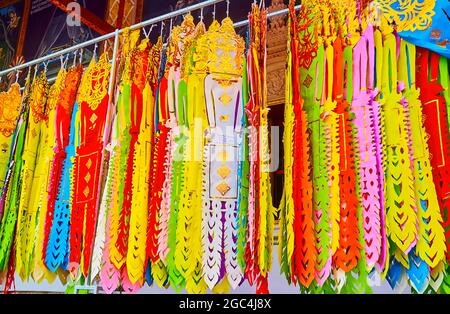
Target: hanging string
(75,58)
(147,34)
(170,30)
(28,78)
(66,60)
(162,40)
(36,68)
(201,15)
(214,12)
(94,56)
(81,55)
(61,59)
(162,29)
(228,8)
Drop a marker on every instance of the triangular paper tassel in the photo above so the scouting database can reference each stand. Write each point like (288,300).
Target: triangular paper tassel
(223,287)
(109,277)
(195,283)
(262,285)
(163,240)
(106,202)
(58,245)
(148,274)
(234,272)
(418,272)
(437,276)
(160,275)
(109,274)
(396,276)
(127,285)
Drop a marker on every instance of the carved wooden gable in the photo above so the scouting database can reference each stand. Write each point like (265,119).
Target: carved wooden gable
(277,53)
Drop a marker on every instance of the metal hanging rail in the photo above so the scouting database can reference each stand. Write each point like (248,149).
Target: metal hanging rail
(116,33)
(113,34)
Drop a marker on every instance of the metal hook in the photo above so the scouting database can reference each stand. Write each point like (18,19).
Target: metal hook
(214,12)
(17,76)
(170,31)
(105,46)
(201,15)
(66,60)
(228,8)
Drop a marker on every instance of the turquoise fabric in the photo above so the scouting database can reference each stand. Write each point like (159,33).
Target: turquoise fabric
(437,36)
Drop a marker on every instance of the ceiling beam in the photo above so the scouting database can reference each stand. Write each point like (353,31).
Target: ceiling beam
(87,18)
